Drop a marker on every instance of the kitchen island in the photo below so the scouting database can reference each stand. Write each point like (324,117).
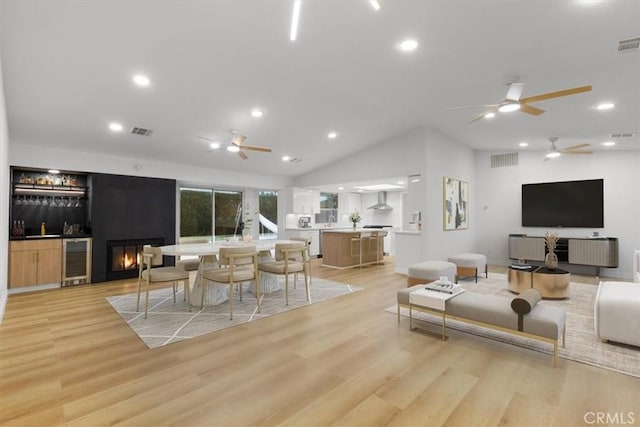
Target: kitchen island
(352,248)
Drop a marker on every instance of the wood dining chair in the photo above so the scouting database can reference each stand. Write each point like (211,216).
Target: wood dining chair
(151,257)
(239,264)
(290,258)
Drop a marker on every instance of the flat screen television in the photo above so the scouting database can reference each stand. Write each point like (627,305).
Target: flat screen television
(563,204)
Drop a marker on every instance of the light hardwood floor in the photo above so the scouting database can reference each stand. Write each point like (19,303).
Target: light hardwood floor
(66,357)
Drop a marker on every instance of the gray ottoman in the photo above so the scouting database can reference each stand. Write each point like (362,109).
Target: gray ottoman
(429,271)
(468,265)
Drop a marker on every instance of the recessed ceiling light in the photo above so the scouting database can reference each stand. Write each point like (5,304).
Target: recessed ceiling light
(141,80)
(115,127)
(490,115)
(408,45)
(524,144)
(332,135)
(256,113)
(54,171)
(340,188)
(605,106)
(286,158)
(233,148)
(375,4)
(400,183)
(295,18)
(609,143)
(378,187)
(360,191)
(214,145)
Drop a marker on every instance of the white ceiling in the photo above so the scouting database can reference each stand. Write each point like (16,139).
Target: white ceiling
(67,68)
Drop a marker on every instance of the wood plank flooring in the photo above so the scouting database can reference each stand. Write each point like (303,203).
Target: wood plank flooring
(66,358)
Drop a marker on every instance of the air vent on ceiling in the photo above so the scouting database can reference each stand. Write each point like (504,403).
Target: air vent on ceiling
(504,160)
(140,131)
(629,45)
(622,135)
(294,160)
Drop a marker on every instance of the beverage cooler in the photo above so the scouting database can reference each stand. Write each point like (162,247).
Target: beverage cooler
(76,261)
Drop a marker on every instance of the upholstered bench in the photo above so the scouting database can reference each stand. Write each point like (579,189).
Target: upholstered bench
(428,271)
(543,322)
(468,265)
(616,312)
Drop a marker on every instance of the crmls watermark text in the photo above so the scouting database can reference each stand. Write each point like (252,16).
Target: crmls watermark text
(610,418)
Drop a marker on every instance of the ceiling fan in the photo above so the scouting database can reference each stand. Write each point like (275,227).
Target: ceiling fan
(513,101)
(554,152)
(236,145)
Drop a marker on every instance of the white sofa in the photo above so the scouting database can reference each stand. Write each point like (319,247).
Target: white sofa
(617,312)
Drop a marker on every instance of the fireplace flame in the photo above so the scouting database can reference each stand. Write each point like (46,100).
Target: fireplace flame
(129,262)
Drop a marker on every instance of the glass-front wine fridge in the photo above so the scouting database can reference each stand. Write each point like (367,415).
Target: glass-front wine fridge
(76,261)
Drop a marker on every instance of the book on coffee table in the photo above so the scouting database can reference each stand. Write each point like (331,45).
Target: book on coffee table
(447,288)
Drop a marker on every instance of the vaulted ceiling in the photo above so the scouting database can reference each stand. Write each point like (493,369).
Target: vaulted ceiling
(68,68)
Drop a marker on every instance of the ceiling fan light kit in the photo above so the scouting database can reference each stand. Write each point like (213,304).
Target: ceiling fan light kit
(236,145)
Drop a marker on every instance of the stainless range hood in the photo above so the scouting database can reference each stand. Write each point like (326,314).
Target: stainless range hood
(382,202)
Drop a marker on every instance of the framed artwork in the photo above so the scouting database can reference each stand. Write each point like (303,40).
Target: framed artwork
(456,204)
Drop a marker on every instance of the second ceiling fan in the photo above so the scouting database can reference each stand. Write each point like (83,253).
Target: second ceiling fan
(555,152)
(514,102)
(236,145)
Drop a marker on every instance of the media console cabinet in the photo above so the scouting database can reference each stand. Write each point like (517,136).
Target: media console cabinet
(593,252)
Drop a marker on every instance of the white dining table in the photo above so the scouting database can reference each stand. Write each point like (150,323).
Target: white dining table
(217,294)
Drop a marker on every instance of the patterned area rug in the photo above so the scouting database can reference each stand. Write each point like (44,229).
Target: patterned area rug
(582,345)
(167,322)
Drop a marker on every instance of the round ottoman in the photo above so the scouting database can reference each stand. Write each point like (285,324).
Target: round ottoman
(468,265)
(429,271)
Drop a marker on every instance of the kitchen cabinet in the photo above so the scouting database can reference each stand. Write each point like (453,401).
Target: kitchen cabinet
(347,204)
(35,262)
(306,201)
(314,247)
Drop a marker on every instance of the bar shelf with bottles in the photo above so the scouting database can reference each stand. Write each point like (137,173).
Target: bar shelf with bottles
(56,199)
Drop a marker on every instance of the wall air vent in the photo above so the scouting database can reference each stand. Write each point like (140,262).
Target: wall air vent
(622,135)
(504,160)
(629,45)
(140,131)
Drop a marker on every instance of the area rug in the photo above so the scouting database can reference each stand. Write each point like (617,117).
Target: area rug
(582,345)
(168,323)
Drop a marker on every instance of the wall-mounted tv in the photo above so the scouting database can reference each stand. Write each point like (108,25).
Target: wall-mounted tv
(563,204)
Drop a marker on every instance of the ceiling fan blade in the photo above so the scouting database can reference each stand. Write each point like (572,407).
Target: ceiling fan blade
(464,107)
(207,139)
(557,94)
(515,91)
(576,152)
(574,147)
(250,147)
(529,109)
(242,155)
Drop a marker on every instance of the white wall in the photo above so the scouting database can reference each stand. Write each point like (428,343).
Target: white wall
(499,201)
(28,155)
(446,157)
(4,196)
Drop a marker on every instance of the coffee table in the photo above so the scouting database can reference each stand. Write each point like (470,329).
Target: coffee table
(430,301)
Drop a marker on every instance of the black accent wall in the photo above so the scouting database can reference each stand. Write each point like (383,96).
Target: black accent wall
(129,207)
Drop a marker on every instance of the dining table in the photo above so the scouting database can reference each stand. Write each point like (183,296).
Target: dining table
(206,251)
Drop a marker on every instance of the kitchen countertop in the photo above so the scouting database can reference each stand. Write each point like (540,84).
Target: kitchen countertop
(414,232)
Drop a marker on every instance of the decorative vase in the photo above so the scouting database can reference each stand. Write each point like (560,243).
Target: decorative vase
(551,261)
(246,235)
(354,226)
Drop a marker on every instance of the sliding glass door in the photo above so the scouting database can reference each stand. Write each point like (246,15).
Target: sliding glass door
(208,214)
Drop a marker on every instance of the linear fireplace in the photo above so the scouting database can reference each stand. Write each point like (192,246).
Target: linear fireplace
(124,256)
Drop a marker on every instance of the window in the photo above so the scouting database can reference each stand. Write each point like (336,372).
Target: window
(209,214)
(268,209)
(328,208)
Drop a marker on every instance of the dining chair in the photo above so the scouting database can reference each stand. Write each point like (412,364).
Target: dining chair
(290,258)
(151,257)
(238,264)
(307,259)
